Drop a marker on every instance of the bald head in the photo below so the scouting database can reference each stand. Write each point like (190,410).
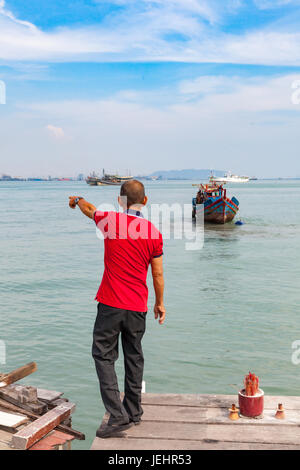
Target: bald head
(134,191)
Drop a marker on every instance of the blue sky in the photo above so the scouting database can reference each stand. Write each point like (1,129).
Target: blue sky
(231,16)
(149,85)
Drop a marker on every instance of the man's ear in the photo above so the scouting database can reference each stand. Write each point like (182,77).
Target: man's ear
(145,200)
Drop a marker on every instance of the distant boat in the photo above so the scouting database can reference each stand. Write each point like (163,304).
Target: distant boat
(113,180)
(106,179)
(93,179)
(218,208)
(229,178)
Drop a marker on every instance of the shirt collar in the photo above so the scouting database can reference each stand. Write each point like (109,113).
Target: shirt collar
(134,212)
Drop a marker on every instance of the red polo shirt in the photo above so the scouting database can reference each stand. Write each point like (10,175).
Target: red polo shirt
(130,242)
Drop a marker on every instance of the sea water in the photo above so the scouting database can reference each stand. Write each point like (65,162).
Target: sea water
(232,306)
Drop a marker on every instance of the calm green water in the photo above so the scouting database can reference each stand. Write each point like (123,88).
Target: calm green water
(232,307)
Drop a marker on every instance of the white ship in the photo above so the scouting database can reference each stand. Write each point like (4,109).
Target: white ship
(229,178)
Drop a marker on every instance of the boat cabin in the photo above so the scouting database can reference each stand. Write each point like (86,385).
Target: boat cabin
(209,191)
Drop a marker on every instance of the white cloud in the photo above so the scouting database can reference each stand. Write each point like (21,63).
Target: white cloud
(7,14)
(271,4)
(231,95)
(143,34)
(205,96)
(208,84)
(250,127)
(210,10)
(56,132)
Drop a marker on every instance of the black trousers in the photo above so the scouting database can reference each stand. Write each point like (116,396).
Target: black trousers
(110,323)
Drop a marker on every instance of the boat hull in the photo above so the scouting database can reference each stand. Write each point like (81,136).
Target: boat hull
(230,180)
(109,183)
(220,211)
(107,180)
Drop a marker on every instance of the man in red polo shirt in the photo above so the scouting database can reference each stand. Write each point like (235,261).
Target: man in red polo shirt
(132,243)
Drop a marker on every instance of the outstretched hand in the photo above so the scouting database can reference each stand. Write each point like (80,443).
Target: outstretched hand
(86,208)
(72,203)
(160,312)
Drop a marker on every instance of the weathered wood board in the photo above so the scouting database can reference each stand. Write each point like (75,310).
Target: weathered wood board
(5,406)
(12,421)
(160,444)
(18,374)
(48,395)
(32,433)
(215,401)
(5,438)
(186,422)
(55,440)
(24,397)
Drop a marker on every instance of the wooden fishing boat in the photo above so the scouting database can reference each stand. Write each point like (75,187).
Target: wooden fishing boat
(212,199)
(93,179)
(107,179)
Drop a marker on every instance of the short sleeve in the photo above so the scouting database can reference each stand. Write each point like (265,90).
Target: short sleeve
(158,247)
(99,215)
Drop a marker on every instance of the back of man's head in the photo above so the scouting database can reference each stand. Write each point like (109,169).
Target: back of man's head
(134,191)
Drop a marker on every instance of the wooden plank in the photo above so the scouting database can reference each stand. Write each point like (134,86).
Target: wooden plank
(42,426)
(4,447)
(215,401)
(270,430)
(5,405)
(8,406)
(5,439)
(115,444)
(226,432)
(58,402)
(11,421)
(276,435)
(174,413)
(18,374)
(48,395)
(24,393)
(194,414)
(53,441)
(24,397)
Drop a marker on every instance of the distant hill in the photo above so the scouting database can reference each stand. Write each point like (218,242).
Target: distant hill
(191,174)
